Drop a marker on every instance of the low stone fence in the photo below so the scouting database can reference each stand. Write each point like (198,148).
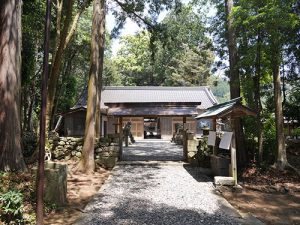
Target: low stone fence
(66,148)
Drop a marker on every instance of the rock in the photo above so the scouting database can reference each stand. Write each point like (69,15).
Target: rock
(64,139)
(105,154)
(61,143)
(58,148)
(98,150)
(78,154)
(69,147)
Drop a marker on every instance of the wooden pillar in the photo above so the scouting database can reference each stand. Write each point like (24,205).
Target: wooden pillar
(214,128)
(185,151)
(116,124)
(233,154)
(120,137)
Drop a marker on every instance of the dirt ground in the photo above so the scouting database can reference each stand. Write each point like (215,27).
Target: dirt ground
(80,190)
(270,208)
(271,196)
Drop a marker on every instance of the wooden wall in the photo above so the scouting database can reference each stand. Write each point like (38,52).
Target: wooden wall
(137,126)
(74,124)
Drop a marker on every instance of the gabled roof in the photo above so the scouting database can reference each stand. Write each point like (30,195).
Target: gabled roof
(233,107)
(120,94)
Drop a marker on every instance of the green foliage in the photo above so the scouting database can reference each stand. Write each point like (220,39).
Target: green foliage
(29,142)
(11,207)
(220,88)
(179,54)
(296,132)
(203,153)
(269,143)
(133,60)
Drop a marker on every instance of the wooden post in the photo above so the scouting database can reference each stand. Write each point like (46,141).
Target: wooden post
(41,157)
(120,137)
(233,155)
(214,128)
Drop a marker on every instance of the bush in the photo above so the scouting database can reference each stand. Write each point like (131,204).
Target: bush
(296,132)
(203,153)
(11,207)
(29,141)
(269,144)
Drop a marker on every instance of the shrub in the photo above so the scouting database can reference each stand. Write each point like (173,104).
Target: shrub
(296,132)
(203,153)
(29,141)
(11,207)
(269,144)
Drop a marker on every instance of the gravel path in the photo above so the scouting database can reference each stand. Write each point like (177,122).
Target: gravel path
(158,150)
(158,193)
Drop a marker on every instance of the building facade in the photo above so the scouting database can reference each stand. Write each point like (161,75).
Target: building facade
(153,112)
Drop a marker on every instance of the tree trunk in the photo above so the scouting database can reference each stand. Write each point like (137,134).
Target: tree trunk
(11,157)
(235,82)
(65,37)
(56,64)
(257,96)
(87,162)
(281,162)
(101,66)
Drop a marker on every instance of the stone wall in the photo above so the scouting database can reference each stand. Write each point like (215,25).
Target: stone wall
(67,148)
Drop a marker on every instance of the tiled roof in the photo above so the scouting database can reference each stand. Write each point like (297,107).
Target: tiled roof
(159,94)
(226,108)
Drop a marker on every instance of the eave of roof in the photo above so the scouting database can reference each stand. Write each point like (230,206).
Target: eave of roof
(232,107)
(153,111)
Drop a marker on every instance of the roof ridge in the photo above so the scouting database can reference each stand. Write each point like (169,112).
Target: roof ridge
(154,88)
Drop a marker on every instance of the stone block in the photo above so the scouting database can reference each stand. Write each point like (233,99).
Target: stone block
(226,181)
(219,165)
(56,183)
(192,145)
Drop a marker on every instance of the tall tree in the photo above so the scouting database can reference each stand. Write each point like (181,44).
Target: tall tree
(278,17)
(11,157)
(180,54)
(101,43)
(87,163)
(62,39)
(235,90)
